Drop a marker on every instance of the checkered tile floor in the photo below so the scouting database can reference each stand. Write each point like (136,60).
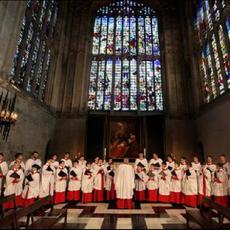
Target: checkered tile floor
(107,216)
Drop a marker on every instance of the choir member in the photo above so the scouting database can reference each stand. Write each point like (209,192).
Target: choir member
(175,184)
(226,166)
(124,185)
(60,183)
(82,162)
(189,187)
(14,185)
(99,179)
(67,161)
(210,165)
(196,165)
(31,188)
(95,162)
(141,160)
(74,186)
(47,180)
(109,181)
(153,182)
(18,158)
(155,159)
(164,183)
(33,160)
(3,172)
(204,183)
(140,182)
(87,184)
(170,162)
(220,186)
(54,161)
(183,164)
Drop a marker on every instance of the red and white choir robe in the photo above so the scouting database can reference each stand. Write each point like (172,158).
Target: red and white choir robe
(153,161)
(12,163)
(189,188)
(74,186)
(170,165)
(47,181)
(3,172)
(109,184)
(204,184)
(87,186)
(142,161)
(164,185)
(175,186)
(220,187)
(82,164)
(31,189)
(55,164)
(99,183)
(60,186)
(30,162)
(124,185)
(68,163)
(196,167)
(14,186)
(226,167)
(152,185)
(140,185)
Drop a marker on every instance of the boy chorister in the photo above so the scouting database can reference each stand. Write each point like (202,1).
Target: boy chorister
(196,165)
(189,187)
(82,162)
(153,182)
(204,183)
(74,186)
(155,160)
(164,183)
(175,184)
(67,161)
(183,164)
(14,183)
(54,161)
(170,163)
(140,182)
(31,189)
(33,160)
(99,180)
(47,180)
(109,182)
(220,186)
(143,161)
(87,184)
(18,159)
(60,183)
(3,172)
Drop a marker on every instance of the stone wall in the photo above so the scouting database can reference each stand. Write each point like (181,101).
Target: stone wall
(213,127)
(35,125)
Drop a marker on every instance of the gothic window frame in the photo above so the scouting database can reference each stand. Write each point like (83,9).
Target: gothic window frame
(213,42)
(148,59)
(32,58)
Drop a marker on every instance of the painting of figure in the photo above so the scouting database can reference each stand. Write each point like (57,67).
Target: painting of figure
(124,138)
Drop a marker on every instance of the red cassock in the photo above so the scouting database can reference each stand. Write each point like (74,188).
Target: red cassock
(152,186)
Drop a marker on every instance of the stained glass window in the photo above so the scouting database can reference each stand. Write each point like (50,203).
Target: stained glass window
(125,72)
(214,42)
(32,58)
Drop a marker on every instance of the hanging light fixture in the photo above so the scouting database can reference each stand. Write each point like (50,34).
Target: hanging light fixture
(8,116)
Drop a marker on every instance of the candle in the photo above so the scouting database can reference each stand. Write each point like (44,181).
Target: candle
(104,153)
(144,152)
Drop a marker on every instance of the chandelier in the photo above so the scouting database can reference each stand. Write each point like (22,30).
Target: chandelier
(8,116)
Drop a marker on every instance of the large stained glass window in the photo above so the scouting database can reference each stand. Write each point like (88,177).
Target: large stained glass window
(125,72)
(213,28)
(32,57)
